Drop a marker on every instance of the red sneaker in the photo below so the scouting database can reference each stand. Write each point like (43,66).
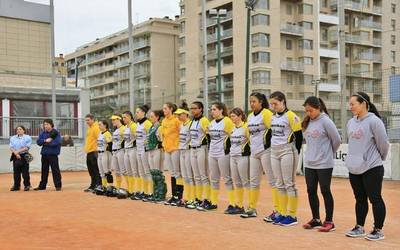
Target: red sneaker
(328,226)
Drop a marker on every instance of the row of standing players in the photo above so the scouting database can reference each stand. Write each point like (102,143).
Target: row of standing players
(199,152)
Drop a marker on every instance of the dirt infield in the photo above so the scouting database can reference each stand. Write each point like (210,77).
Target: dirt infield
(72,219)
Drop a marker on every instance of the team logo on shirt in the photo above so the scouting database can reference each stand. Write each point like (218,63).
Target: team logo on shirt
(314,133)
(357,134)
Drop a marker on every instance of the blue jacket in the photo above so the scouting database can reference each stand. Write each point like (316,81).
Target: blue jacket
(52,148)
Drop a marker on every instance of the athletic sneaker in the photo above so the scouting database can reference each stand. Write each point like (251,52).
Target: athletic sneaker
(357,231)
(139,196)
(239,210)
(249,213)
(230,210)
(181,203)
(328,226)
(205,203)
(375,235)
(288,221)
(271,217)
(314,223)
(209,207)
(169,201)
(278,220)
(175,201)
(147,198)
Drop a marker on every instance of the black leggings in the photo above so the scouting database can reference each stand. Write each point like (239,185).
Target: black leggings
(369,186)
(323,177)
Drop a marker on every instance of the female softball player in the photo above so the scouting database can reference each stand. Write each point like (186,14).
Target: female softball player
(259,124)
(153,148)
(130,152)
(218,158)
(239,157)
(170,134)
(104,149)
(142,129)
(368,147)
(323,139)
(286,142)
(118,150)
(198,155)
(186,168)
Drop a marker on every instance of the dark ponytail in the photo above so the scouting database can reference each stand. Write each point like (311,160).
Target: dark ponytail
(184,106)
(171,106)
(145,108)
(261,98)
(316,103)
(239,112)
(221,106)
(363,97)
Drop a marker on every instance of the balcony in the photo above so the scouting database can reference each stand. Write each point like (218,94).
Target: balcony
(361,7)
(141,58)
(122,63)
(329,86)
(292,66)
(141,44)
(356,39)
(330,19)
(121,50)
(292,29)
(368,57)
(224,35)
(225,51)
(370,25)
(329,52)
(96,57)
(212,22)
(142,74)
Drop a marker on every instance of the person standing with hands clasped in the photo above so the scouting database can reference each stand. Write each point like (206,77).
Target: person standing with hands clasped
(19,146)
(92,134)
(368,147)
(323,140)
(50,140)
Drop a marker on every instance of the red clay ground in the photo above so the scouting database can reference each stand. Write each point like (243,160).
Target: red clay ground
(72,219)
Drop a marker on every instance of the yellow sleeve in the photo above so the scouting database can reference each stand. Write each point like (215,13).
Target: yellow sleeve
(121,131)
(204,123)
(147,125)
(133,127)
(229,126)
(246,131)
(267,117)
(294,121)
(107,136)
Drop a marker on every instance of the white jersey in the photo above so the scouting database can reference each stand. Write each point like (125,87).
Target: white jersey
(219,131)
(259,125)
(240,141)
(130,135)
(184,135)
(141,135)
(283,127)
(103,140)
(198,132)
(118,138)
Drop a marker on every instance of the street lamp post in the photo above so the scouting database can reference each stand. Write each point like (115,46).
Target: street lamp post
(250,6)
(53,73)
(218,14)
(316,85)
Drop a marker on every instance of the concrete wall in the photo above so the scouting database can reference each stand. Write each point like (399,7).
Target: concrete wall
(20,9)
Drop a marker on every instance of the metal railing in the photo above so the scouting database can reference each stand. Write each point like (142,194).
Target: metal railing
(292,66)
(34,126)
(224,34)
(292,28)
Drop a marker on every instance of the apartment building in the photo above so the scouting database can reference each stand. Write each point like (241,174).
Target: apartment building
(25,71)
(294,46)
(103,65)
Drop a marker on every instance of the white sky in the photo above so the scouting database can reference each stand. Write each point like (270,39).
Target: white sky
(81,21)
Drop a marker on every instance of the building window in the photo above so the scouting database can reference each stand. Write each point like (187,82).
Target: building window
(182,73)
(182,42)
(393,24)
(289,44)
(260,40)
(306,44)
(183,89)
(393,56)
(266,92)
(289,9)
(262,4)
(183,26)
(393,70)
(393,8)
(289,79)
(261,57)
(260,19)
(306,9)
(393,39)
(306,25)
(261,77)
(289,95)
(324,3)
(307,60)
(324,35)
(324,68)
